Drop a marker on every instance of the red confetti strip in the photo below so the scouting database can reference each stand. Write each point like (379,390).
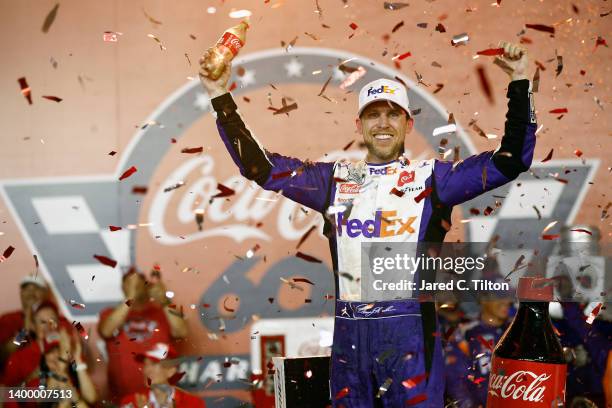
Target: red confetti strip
(353,26)
(558,110)
(424,194)
(548,156)
(25,89)
(233,86)
(414,381)
(53,98)
(397,26)
(140,190)
(113,228)
(594,313)
(541,27)
(106,260)
(415,400)
(491,52)
(342,393)
(305,236)
(7,252)
(225,191)
(403,56)
(192,150)
(484,342)
(308,258)
(112,153)
(128,173)
(440,27)
(578,153)
(36,260)
(397,192)
(478,380)
(474,211)
(281,175)
(550,237)
(484,83)
(304,280)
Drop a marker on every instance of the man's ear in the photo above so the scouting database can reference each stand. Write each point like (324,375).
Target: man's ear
(409,125)
(358,126)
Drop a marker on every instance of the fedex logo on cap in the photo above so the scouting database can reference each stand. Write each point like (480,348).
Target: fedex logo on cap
(382,89)
(384,224)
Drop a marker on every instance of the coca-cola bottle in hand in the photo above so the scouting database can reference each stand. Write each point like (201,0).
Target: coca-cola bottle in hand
(528,368)
(225,50)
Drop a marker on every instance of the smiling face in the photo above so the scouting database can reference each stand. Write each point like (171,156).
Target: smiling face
(384,126)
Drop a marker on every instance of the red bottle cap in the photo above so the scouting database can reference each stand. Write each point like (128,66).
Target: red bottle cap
(538,289)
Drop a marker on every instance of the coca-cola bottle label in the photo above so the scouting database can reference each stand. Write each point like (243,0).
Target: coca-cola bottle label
(231,41)
(524,384)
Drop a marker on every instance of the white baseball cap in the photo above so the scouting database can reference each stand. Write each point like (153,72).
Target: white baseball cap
(385,90)
(36,279)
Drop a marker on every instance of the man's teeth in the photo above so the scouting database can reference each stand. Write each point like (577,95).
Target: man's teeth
(383,136)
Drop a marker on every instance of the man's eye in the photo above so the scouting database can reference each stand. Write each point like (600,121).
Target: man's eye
(394,114)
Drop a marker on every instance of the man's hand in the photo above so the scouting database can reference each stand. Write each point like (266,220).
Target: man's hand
(514,62)
(157,293)
(213,87)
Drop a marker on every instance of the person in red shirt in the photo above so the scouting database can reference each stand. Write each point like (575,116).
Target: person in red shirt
(22,365)
(133,326)
(159,368)
(15,326)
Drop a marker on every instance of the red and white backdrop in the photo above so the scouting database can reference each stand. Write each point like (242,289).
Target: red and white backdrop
(139,97)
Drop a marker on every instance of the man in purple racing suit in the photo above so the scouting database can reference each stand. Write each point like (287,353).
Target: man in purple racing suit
(386,353)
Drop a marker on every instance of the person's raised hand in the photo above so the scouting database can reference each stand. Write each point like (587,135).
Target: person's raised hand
(214,87)
(514,62)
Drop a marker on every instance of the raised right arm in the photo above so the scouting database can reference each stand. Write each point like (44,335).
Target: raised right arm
(305,182)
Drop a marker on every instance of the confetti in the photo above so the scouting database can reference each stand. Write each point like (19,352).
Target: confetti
(342,393)
(348,145)
(537,212)
(384,387)
(106,260)
(305,236)
(535,87)
(53,98)
(414,381)
(224,191)
(25,89)
(416,400)
(158,41)
(50,19)
(151,19)
(395,5)
(285,108)
(559,65)
(440,28)
(240,14)
(304,280)
(423,194)
(174,186)
(550,237)
(438,88)
(353,77)
(484,177)
(111,36)
(445,129)
(114,228)
(307,258)
(252,251)
(397,26)
(226,308)
(491,52)
(321,93)
(81,330)
(582,230)
(484,83)
(422,25)
(353,26)
(484,342)
(140,190)
(541,27)
(199,218)
(193,150)
(7,252)
(128,173)
(400,57)
(548,156)
(594,313)
(600,41)
(459,39)
(76,304)
(558,110)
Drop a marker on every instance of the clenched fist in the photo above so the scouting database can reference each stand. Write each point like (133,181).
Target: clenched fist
(514,61)
(213,87)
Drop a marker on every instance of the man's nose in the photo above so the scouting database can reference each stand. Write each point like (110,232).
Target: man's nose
(383,120)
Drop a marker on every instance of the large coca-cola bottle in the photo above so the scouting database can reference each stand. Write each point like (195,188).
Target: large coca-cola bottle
(528,368)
